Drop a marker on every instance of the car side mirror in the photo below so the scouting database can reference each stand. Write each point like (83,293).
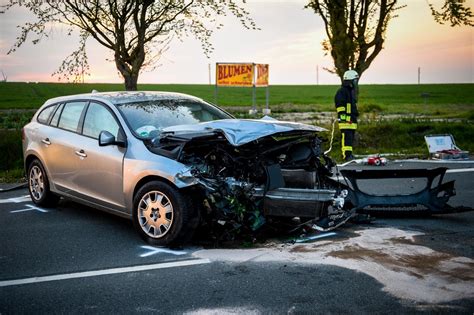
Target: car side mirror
(106,138)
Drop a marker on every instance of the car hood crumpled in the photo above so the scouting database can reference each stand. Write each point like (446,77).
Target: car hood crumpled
(242,131)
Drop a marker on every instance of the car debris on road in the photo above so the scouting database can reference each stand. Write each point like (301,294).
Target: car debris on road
(376,160)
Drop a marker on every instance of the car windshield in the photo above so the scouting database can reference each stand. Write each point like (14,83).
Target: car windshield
(147,118)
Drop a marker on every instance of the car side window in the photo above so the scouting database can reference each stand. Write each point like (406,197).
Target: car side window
(55,119)
(71,115)
(43,117)
(99,118)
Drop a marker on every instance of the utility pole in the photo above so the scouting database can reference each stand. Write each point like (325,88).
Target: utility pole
(209,73)
(419,74)
(317,74)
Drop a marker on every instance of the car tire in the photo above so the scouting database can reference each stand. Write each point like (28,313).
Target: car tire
(38,186)
(162,215)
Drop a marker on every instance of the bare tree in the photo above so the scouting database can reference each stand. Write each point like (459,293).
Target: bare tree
(356,29)
(137,32)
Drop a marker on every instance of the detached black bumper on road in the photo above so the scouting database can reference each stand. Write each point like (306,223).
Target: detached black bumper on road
(430,198)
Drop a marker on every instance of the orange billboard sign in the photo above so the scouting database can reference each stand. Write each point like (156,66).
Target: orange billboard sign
(262,74)
(234,74)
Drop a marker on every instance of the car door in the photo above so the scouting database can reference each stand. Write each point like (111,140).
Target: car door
(60,142)
(99,176)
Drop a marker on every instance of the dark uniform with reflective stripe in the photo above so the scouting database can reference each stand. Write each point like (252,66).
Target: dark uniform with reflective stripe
(346,107)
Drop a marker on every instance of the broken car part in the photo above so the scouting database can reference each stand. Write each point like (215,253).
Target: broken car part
(429,198)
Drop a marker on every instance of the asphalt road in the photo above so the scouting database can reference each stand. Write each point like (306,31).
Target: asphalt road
(74,259)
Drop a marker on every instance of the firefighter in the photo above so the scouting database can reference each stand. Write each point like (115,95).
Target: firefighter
(346,107)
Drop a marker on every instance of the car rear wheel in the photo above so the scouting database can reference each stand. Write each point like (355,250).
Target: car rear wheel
(162,215)
(38,186)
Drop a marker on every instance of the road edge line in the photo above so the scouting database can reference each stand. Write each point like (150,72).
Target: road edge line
(95,273)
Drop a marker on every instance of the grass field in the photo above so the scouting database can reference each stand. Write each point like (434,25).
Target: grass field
(444,100)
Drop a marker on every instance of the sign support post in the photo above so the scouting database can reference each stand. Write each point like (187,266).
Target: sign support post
(253,111)
(262,81)
(215,90)
(267,110)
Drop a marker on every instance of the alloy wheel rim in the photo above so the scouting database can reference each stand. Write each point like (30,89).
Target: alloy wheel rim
(155,214)
(36,183)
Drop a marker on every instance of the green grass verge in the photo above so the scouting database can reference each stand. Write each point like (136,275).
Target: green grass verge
(11,156)
(12,176)
(15,119)
(444,100)
(403,137)
(407,136)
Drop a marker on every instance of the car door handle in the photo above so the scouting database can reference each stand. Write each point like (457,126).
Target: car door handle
(46,141)
(81,153)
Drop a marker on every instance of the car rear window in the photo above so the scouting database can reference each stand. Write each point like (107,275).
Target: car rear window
(43,117)
(55,119)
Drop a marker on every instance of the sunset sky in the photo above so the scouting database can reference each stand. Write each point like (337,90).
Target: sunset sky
(289,40)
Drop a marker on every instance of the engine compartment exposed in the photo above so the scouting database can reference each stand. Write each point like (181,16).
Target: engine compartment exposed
(281,175)
(264,162)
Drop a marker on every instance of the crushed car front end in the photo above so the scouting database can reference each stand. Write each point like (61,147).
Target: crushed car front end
(249,170)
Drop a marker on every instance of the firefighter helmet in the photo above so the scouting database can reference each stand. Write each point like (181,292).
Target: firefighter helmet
(350,75)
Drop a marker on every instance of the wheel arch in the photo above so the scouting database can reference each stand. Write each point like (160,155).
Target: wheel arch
(30,158)
(151,178)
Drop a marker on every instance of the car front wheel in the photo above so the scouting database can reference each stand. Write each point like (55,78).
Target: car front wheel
(38,186)
(162,215)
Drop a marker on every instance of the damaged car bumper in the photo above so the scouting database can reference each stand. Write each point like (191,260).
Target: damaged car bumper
(432,197)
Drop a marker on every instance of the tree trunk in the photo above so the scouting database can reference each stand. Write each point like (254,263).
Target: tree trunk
(130,76)
(130,82)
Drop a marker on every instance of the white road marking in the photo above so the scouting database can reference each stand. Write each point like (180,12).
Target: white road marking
(30,208)
(25,198)
(103,272)
(156,250)
(460,170)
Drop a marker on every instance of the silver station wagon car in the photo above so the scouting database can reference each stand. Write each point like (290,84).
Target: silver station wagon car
(171,161)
